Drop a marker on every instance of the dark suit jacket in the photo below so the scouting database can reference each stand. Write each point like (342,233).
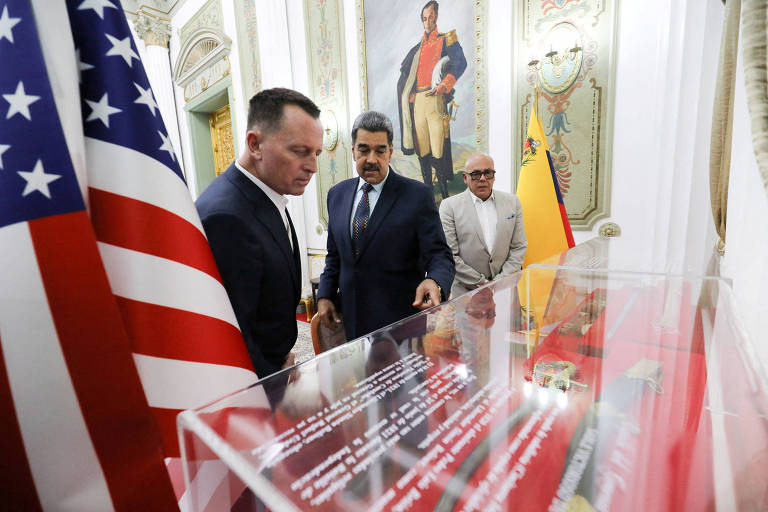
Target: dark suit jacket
(403,241)
(261,274)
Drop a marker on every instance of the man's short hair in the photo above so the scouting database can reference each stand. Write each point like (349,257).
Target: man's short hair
(265,110)
(431,3)
(372,121)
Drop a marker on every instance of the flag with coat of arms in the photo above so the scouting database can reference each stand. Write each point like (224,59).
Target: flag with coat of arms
(546,222)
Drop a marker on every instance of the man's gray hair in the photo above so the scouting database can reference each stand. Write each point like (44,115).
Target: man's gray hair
(372,121)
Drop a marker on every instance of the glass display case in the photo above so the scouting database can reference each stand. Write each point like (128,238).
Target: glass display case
(564,387)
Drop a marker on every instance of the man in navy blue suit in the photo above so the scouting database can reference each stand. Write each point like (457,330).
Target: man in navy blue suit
(248,227)
(387,255)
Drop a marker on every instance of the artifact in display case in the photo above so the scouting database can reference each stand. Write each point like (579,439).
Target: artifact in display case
(628,391)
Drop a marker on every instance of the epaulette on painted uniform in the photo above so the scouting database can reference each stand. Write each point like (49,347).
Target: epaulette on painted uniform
(451,37)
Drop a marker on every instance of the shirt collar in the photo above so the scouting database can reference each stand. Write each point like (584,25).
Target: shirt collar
(377,187)
(431,36)
(278,199)
(477,200)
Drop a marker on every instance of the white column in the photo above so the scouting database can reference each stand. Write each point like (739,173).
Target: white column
(155,32)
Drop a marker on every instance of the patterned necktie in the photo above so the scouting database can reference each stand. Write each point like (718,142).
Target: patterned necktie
(288,229)
(360,221)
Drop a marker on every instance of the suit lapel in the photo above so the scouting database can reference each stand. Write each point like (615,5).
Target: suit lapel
(341,222)
(474,221)
(505,207)
(503,211)
(296,256)
(265,212)
(389,194)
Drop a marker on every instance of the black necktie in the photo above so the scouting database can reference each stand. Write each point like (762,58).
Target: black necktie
(360,220)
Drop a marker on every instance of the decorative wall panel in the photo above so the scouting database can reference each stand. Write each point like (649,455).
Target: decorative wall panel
(248,44)
(574,44)
(325,51)
(209,16)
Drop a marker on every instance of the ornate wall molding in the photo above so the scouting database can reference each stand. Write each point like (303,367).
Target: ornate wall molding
(154,30)
(481,75)
(248,44)
(202,61)
(360,6)
(205,47)
(209,16)
(609,230)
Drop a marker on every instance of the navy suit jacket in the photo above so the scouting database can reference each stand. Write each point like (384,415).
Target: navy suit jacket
(260,271)
(403,243)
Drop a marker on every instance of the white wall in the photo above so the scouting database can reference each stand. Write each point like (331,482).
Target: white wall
(274,44)
(500,92)
(665,71)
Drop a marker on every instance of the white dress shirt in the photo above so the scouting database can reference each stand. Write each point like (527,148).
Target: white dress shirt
(373,198)
(279,200)
(486,214)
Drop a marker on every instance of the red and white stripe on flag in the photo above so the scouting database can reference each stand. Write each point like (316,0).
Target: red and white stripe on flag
(76,430)
(186,341)
(77,433)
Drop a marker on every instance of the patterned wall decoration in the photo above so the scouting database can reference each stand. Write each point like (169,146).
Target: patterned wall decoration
(209,16)
(387,33)
(325,47)
(574,42)
(248,44)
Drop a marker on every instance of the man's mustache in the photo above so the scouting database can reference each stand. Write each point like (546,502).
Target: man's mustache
(370,167)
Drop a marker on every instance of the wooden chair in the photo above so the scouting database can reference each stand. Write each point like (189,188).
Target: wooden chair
(324,338)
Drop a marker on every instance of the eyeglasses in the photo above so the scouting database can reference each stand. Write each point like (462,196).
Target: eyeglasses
(475,175)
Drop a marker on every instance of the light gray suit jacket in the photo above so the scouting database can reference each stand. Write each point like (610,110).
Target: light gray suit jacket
(475,262)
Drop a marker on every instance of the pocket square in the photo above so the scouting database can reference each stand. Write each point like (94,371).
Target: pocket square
(511,216)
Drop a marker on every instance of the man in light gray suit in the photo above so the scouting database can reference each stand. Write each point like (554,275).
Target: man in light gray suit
(483,228)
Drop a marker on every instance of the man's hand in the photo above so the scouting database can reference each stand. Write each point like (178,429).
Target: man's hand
(427,295)
(439,90)
(290,360)
(326,310)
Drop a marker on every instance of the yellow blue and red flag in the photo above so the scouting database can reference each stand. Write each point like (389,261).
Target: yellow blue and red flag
(546,221)
(546,224)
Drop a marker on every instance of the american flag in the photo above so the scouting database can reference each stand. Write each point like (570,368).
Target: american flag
(90,305)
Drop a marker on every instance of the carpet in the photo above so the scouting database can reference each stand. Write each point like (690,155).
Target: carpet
(303,349)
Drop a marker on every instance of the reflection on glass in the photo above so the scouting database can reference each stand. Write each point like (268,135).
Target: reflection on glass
(560,389)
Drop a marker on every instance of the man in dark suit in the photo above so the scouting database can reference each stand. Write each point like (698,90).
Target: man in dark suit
(248,227)
(387,255)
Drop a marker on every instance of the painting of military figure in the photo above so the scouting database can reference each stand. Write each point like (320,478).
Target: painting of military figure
(419,69)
